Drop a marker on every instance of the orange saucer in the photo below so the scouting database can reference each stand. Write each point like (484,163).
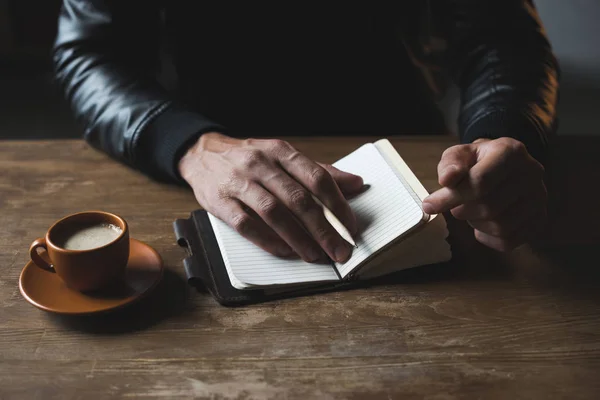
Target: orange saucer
(45,290)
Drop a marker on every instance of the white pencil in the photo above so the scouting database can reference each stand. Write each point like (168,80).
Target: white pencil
(337,225)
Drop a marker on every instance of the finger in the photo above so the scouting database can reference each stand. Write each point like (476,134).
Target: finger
(445,199)
(494,164)
(521,236)
(347,182)
(301,203)
(493,167)
(496,243)
(320,183)
(497,164)
(252,228)
(442,200)
(455,164)
(453,168)
(499,200)
(279,219)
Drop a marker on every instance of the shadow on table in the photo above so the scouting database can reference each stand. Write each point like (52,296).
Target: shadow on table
(571,270)
(167,300)
(566,268)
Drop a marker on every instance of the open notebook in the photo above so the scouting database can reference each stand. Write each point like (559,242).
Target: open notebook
(394,234)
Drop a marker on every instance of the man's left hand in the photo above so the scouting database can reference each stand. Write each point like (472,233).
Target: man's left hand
(495,185)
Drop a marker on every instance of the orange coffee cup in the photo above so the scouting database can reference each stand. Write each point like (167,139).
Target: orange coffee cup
(82,251)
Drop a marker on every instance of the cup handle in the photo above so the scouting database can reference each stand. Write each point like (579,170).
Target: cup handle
(36,258)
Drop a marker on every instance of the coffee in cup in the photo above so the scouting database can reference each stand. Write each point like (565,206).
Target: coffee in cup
(89,236)
(87,250)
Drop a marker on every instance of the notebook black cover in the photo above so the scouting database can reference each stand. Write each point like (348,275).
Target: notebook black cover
(204,266)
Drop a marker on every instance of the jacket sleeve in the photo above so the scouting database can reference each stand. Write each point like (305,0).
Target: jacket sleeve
(508,77)
(106,58)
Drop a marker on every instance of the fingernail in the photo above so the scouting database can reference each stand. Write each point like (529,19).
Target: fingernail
(342,253)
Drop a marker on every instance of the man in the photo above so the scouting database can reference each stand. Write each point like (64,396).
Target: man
(254,70)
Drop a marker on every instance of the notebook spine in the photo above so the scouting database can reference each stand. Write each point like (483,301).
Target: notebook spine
(186,236)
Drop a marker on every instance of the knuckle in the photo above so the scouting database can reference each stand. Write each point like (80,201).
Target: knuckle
(300,200)
(241,222)
(322,234)
(513,146)
(234,184)
(278,145)
(268,206)
(222,192)
(252,158)
(454,153)
(518,147)
(225,187)
(293,155)
(251,142)
(451,151)
(448,151)
(319,178)
(478,183)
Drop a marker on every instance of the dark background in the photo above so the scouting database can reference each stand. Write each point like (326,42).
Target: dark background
(32,107)
(30,104)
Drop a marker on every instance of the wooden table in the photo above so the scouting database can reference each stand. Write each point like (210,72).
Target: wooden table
(522,325)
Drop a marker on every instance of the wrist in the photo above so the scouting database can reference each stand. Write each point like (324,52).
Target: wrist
(209,140)
(510,123)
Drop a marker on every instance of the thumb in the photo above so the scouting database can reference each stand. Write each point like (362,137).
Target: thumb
(455,164)
(347,182)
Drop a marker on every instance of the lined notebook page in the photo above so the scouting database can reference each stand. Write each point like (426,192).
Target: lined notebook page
(384,212)
(248,265)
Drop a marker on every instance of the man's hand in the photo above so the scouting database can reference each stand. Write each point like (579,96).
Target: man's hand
(262,188)
(496,186)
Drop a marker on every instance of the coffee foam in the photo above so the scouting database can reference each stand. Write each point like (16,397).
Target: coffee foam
(89,237)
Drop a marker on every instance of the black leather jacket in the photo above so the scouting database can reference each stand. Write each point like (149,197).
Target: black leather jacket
(250,69)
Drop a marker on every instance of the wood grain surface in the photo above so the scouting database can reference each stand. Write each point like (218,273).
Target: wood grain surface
(490,326)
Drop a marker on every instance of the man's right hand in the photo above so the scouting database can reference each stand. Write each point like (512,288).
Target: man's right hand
(262,189)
